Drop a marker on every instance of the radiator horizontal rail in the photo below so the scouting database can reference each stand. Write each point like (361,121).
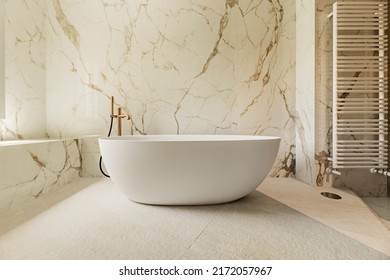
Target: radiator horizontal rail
(363,154)
(361,141)
(361,129)
(369,10)
(360,112)
(346,102)
(354,165)
(359,87)
(360,3)
(365,160)
(368,106)
(363,99)
(351,156)
(362,67)
(358,133)
(362,36)
(364,150)
(360,61)
(366,81)
(361,109)
(362,78)
(363,62)
(361,41)
(361,166)
(352,90)
(360,57)
(360,105)
(361,161)
(362,13)
(361,120)
(358,20)
(362,49)
(374,88)
(352,19)
(361,147)
(348,86)
(362,27)
(356,92)
(363,4)
(361,125)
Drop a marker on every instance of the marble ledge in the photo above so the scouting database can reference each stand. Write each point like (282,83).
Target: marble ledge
(30,168)
(29,141)
(44,140)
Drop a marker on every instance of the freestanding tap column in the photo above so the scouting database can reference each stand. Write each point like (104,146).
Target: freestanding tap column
(119,116)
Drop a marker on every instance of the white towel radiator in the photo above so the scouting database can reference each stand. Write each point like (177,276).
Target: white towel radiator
(360,86)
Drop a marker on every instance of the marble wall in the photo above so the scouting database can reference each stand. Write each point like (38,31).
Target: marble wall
(305,90)
(2,58)
(176,67)
(31,168)
(25,70)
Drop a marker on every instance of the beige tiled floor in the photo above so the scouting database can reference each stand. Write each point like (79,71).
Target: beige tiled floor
(386,223)
(380,205)
(285,219)
(350,215)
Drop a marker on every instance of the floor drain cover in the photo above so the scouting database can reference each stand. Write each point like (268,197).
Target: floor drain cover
(331,195)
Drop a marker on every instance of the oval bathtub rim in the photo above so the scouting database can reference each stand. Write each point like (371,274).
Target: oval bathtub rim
(187,138)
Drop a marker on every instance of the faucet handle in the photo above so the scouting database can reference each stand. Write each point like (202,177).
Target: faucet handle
(120,114)
(112,105)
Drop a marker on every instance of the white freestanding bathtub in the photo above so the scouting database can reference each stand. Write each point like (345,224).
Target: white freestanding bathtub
(188,169)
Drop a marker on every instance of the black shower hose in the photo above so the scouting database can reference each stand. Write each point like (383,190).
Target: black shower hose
(100,161)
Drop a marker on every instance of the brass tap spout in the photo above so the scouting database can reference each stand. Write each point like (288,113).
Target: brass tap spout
(119,116)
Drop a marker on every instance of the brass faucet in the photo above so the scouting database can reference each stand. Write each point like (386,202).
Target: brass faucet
(119,116)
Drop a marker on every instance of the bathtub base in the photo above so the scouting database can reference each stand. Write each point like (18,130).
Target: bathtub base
(185,202)
(193,203)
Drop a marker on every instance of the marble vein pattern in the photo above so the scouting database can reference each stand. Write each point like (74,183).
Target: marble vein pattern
(90,155)
(305,89)
(176,67)
(29,170)
(25,69)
